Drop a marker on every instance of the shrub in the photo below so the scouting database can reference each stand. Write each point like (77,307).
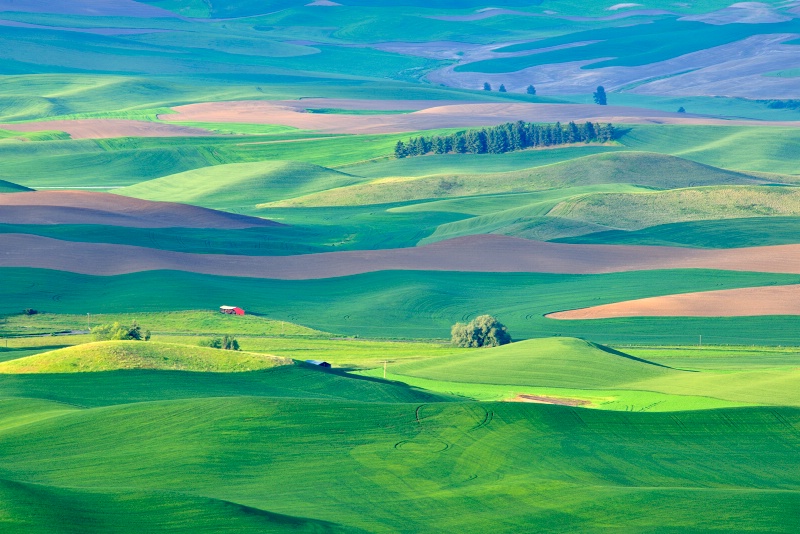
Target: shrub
(30,311)
(116,331)
(483,331)
(225,342)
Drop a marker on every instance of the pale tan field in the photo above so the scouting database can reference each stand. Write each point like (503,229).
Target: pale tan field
(750,301)
(108,128)
(453,115)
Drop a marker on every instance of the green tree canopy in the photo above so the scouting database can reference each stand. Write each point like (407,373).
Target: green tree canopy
(502,88)
(483,331)
(486,86)
(600,96)
(226,342)
(116,331)
(531,90)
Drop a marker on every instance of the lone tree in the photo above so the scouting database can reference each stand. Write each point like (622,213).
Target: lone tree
(600,96)
(681,110)
(482,331)
(531,90)
(502,88)
(116,331)
(486,86)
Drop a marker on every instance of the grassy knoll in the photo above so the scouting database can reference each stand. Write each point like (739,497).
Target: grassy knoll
(467,163)
(572,370)
(417,467)
(724,233)
(554,362)
(643,169)
(414,305)
(744,148)
(640,210)
(240,184)
(524,215)
(117,355)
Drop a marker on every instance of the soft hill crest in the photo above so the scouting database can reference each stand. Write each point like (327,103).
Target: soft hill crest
(657,171)
(554,362)
(88,207)
(119,355)
(240,184)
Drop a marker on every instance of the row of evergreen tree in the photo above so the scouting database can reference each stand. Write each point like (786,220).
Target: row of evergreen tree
(506,138)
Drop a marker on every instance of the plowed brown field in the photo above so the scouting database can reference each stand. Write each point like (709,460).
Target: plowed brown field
(486,253)
(750,301)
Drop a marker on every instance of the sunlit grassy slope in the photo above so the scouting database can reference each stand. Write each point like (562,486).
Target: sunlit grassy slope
(559,362)
(644,169)
(115,355)
(240,184)
(407,466)
(640,210)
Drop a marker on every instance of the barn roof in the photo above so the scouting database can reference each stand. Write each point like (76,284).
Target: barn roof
(227,307)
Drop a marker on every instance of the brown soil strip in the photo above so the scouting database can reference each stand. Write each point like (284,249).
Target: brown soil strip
(85,207)
(541,399)
(438,116)
(108,128)
(750,301)
(484,253)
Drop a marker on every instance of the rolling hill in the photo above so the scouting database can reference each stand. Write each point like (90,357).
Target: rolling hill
(117,355)
(642,169)
(240,185)
(555,362)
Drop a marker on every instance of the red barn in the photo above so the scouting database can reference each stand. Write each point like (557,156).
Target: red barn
(231,310)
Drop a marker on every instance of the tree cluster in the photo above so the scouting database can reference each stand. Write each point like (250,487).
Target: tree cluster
(116,331)
(506,138)
(483,331)
(225,342)
(782,104)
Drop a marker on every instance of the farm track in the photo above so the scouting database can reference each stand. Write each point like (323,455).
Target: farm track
(497,254)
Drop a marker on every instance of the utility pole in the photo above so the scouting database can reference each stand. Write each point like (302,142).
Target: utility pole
(88,323)
(701,340)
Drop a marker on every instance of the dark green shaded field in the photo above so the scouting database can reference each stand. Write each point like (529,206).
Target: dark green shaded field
(728,233)
(415,304)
